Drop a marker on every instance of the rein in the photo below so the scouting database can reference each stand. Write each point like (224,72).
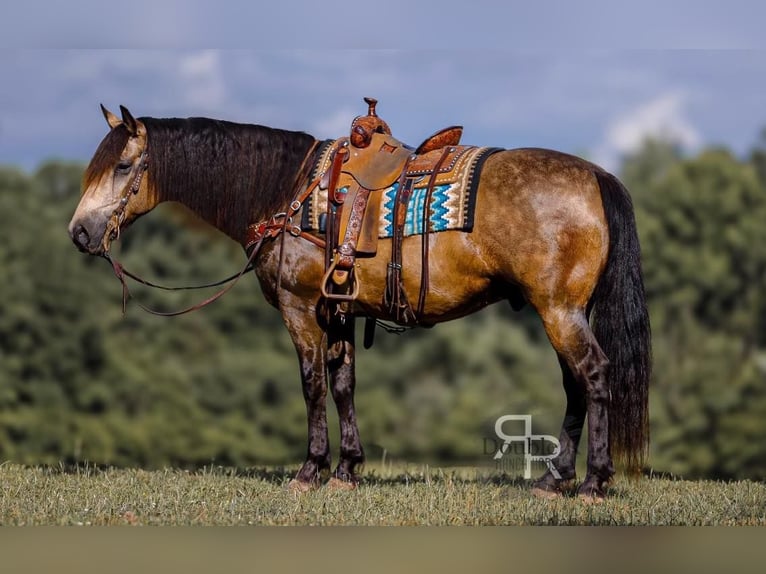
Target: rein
(120,272)
(277,224)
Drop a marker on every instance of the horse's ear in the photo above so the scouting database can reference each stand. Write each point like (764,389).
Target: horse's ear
(111,119)
(129,121)
(136,128)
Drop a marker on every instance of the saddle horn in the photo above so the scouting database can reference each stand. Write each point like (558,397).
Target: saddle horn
(363,127)
(371,103)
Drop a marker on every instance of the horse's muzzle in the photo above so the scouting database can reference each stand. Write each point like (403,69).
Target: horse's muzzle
(84,238)
(80,237)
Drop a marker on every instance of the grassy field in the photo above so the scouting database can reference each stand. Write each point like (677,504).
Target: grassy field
(390,496)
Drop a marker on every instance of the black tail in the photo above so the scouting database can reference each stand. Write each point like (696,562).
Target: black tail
(621,327)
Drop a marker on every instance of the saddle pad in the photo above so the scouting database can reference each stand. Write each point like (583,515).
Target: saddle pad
(452,203)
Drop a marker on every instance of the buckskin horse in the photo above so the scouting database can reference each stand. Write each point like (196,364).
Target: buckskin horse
(549,229)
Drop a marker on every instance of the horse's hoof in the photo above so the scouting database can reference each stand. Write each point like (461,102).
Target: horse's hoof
(545,494)
(548,487)
(299,486)
(591,498)
(592,491)
(337,484)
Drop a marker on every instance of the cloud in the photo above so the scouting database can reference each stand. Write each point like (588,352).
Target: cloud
(204,85)
(335,124)
(662,117)
(605,103)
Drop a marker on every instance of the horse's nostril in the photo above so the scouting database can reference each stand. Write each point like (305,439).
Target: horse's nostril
(80,237)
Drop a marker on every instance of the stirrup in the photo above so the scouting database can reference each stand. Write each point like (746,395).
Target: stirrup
(339,296)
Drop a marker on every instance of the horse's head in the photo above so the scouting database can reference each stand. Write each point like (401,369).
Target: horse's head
(115,189)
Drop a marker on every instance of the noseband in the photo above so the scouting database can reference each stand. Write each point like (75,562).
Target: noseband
(117,218)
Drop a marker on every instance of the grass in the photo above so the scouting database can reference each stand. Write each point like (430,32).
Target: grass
(387,496)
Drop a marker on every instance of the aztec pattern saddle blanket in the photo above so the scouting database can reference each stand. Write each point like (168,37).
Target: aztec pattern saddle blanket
(453,196)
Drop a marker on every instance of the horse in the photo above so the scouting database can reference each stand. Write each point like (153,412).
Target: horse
(551,230)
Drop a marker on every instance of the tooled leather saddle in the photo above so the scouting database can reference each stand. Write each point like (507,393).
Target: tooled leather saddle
(355,172)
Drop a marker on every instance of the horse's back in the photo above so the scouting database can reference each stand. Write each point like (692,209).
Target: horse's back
(528,169)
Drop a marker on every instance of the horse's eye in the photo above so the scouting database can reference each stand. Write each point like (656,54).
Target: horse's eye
(124,166)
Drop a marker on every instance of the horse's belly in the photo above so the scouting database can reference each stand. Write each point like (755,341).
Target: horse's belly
(458,281)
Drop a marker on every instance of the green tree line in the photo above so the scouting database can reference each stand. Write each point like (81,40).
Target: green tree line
(80,382)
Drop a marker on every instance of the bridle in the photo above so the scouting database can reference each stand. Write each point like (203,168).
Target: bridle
(117,218)
(271,228)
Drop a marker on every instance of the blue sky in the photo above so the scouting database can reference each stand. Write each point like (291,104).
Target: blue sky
(594,81)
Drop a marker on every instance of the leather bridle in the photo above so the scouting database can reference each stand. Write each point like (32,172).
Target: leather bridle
(117,218)
(276,225)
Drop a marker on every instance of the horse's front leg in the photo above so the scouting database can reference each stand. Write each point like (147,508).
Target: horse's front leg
(310,343)
(342,382)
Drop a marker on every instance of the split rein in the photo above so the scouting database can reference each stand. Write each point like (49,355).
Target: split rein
(121,273)
(276,225)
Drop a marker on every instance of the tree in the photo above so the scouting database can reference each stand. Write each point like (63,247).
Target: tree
(704,252)
(703,226)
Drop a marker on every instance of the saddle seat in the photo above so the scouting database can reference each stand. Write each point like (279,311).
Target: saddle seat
(376,158)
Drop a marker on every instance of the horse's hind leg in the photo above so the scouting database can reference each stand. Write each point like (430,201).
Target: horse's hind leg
(342,383)
(571,336)
(569,438)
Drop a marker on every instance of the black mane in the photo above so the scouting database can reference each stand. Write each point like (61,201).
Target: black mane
(230,174)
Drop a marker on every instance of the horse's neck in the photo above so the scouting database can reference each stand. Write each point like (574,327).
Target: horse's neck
(250,182)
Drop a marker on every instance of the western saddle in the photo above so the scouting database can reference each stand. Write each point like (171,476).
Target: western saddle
(356,171)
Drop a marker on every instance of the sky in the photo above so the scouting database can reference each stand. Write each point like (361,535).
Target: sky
(595,80)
